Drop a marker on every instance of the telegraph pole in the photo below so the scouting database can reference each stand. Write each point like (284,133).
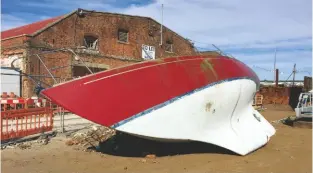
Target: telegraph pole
(294,74)
(275,64)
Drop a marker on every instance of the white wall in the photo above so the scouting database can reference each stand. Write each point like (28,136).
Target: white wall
(10,83)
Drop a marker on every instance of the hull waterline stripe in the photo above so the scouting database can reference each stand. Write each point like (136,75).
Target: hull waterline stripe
(177,98)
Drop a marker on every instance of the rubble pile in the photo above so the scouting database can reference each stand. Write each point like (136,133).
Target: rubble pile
(91,137)
(287,120)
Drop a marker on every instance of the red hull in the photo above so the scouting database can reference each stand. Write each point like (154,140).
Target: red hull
(111,96)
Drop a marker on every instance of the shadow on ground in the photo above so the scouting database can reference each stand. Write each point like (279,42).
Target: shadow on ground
(126,145)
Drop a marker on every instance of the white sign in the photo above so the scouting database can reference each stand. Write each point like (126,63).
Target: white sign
(148,52)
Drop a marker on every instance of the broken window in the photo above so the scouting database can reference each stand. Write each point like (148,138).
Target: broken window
(79,71)
(169,46)
(122,35)
(91,42)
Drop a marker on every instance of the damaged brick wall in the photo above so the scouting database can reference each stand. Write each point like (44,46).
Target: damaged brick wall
(61,65)
(17,42)
(14,48)
(70,32)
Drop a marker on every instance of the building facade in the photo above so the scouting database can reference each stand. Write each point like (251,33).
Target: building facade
(101,40)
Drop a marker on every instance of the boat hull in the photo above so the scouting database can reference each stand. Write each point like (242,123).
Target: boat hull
(200,98)
(220,114)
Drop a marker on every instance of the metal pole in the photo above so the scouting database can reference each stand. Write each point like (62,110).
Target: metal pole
(221,52)
(161,42)
(59,113)
(275,63)
(46,68)
(294,74)
(80,60)
(61,118)
(62,113)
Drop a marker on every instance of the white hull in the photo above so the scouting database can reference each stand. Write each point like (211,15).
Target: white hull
(221,114)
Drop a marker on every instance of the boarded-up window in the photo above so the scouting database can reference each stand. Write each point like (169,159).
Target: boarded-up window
(91,42)
(122,35)
(169,46)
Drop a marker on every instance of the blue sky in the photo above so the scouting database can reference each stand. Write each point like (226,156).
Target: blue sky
(249,30)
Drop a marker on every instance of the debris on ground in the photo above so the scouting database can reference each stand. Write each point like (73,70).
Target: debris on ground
(71,142)
(92,137)
(27,143)
(296,122)
(151,156)
(259,108)
(287,120)
(143,160)
(44,139)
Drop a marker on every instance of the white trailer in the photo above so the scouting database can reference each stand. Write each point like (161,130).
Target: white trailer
(304,107)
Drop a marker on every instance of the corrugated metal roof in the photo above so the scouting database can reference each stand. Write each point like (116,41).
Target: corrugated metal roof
(28,29)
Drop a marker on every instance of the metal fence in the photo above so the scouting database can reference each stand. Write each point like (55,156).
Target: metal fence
(23,117)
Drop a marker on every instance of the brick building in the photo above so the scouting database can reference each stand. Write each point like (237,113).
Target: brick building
(102,40)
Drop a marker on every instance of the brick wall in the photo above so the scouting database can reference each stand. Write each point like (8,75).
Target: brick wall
(16,42)
(69,33)
(66,61)
(275,95)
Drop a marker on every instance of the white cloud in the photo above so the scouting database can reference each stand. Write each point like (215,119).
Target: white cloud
(10,21)
(233,21)
(212,21)
(297,43)
(242,24)
(70,4)
(284,62)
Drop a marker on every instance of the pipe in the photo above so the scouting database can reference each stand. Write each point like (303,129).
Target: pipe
(80,60)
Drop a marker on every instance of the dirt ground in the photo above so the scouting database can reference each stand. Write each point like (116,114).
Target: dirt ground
(290,150)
